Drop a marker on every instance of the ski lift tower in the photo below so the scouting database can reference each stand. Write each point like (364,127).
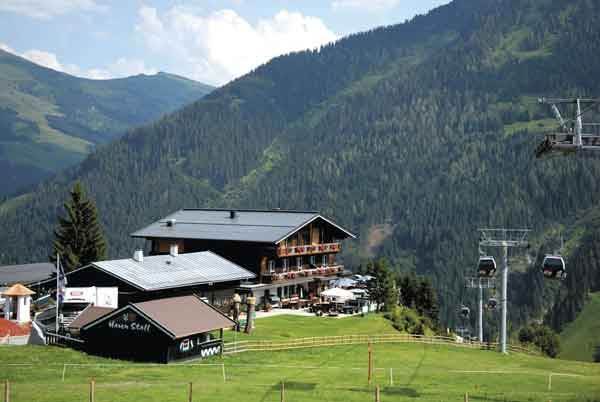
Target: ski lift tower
(480,283)
(503,238)
(572,135)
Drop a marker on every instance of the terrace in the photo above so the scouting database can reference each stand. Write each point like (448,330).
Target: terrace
(281,275)
(310,249)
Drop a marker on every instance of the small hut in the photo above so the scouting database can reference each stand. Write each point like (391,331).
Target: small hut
(18,303)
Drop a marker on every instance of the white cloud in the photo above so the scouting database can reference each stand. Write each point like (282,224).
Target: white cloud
(122,67)
(6,48)
(46,9)
(223,45)
(371,5)
(43,58)
(125,67)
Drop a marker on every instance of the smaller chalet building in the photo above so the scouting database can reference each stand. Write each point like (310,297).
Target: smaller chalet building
(144,278)
(291,253)
(161,330)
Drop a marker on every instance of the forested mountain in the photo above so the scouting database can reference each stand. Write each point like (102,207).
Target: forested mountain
(414,135)
(50,120)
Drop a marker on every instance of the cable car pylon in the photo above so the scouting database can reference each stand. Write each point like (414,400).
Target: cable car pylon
(503,238)
(480,283)
(572,135)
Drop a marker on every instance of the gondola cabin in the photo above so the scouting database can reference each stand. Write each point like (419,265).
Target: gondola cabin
(492,303)
(465,312)
(487,267)
(553,267)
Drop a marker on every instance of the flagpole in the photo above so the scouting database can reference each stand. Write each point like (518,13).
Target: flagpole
(57,291)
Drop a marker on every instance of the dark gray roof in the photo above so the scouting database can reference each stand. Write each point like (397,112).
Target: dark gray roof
(166,272)
(247,225)
(26,273)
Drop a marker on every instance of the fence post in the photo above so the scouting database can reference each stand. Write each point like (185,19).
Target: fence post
(369,374)
(282,398)
(377,396)
(6,391)
(466,397)
(190,392)
(92,390)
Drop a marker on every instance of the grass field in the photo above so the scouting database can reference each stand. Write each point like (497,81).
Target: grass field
(405,372)
(580,337)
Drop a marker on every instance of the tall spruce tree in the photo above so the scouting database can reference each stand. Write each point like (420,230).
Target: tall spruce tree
(79,239)
(382,288)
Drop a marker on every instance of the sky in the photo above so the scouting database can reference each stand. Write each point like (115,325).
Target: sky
(211,41)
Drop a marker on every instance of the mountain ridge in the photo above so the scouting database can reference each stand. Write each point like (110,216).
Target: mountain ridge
(50,120)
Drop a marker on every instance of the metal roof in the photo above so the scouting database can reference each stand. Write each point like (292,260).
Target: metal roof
(26,273)
(166,271)
(270,226)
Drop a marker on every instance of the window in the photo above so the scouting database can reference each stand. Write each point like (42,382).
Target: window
(312,260)
(299,262)
(271,266)
(324,259)
(306,236)
(286,264)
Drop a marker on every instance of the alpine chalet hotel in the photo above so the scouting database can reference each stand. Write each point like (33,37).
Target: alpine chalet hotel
(292,253)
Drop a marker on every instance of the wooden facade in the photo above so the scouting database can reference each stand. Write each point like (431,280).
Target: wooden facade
(310,251)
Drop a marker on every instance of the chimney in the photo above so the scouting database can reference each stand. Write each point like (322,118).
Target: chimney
(138,255)
(174,250)
(171,222)
(232,214)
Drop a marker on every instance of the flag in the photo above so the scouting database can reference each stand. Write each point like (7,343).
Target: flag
(61,281)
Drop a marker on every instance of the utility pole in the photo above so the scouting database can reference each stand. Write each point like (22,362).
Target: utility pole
(504,238)
(504,300)
(480,315)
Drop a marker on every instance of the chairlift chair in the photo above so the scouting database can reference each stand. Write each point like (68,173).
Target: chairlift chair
(553,267)
(486,267)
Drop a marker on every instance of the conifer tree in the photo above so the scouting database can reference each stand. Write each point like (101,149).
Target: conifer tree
(79,239)
(382,288)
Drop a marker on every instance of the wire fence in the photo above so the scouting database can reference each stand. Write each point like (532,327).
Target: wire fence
(326,341)
(292,383)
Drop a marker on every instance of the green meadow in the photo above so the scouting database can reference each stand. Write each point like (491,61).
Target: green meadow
(404,372)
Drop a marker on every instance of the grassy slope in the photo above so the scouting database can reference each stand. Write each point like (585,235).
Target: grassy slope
(426,372)
(581,336)
(288,326)
(52,120)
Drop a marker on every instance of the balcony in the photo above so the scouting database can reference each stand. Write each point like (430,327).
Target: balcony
(308,250)
(279,277)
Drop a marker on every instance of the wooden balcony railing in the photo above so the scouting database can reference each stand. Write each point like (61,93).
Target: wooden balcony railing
(286,276)
(310,249)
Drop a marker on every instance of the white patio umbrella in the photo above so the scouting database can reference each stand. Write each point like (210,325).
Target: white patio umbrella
(338,295)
